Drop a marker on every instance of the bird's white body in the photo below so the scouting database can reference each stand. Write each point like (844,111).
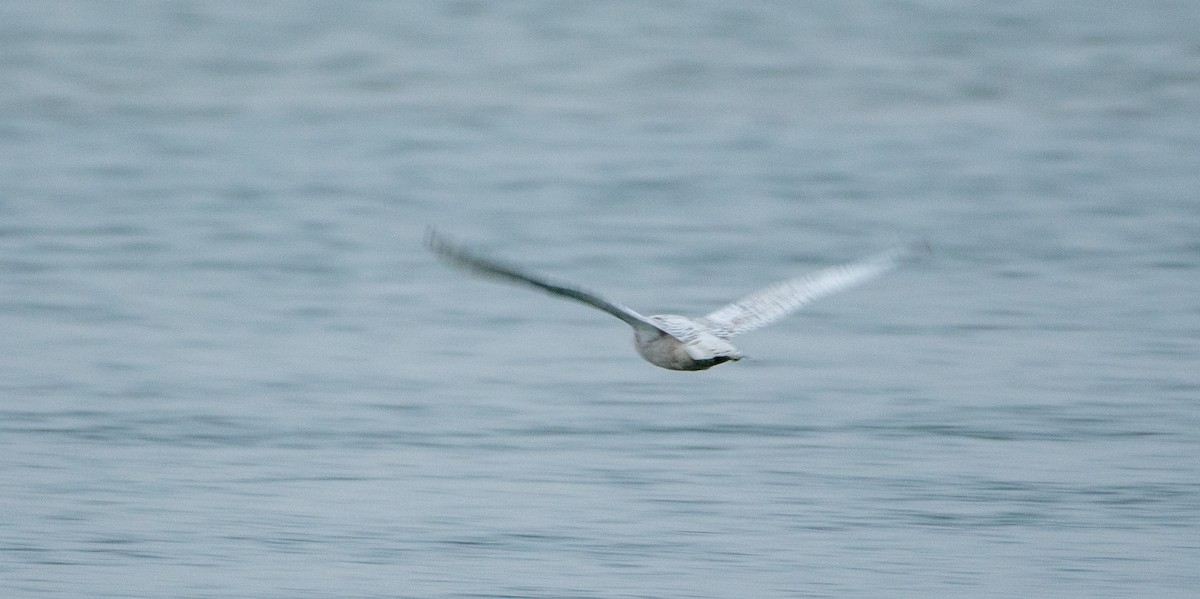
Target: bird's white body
(688,345)
(682,343)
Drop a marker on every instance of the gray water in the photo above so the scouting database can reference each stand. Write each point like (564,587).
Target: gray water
(228,368)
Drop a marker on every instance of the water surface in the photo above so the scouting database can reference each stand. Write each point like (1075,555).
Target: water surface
(228,368)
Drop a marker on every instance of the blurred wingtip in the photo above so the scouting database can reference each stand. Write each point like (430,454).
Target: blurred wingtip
(431,236)
(916,250)
(437,243)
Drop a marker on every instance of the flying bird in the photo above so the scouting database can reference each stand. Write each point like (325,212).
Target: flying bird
(681,342)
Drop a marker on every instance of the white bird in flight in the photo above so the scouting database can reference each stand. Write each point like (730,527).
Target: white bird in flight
(683,343)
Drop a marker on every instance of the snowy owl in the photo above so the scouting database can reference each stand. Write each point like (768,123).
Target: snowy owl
(685,343)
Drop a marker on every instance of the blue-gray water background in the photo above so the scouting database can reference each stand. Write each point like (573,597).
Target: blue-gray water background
(228,368)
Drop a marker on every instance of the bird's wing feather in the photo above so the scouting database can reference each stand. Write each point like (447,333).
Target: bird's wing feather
(460,257)
(772,303)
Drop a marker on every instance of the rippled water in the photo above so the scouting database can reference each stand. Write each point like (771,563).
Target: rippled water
(228,369)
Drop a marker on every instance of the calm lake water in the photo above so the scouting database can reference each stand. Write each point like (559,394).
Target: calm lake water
(229,369)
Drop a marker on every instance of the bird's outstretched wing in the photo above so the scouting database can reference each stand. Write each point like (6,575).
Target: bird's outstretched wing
(461,257)
(772,303)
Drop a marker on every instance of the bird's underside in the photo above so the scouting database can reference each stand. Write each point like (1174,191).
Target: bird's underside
(680,342)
